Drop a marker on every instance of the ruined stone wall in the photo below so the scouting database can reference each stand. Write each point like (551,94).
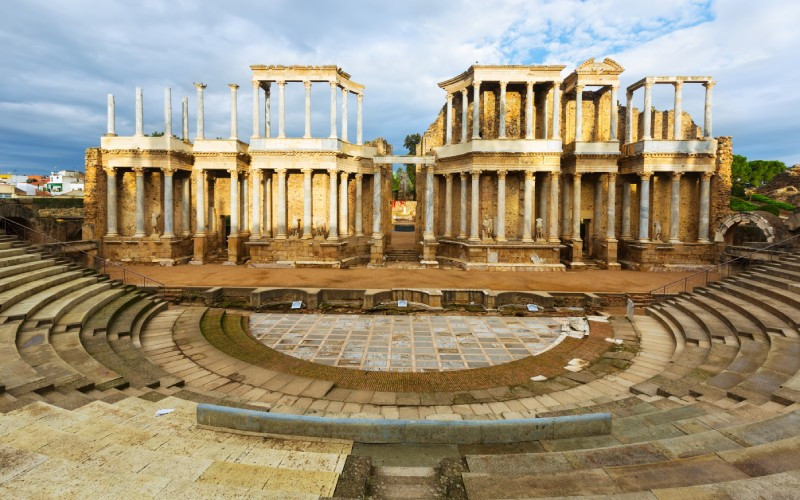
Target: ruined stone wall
(721,182)
(94,215)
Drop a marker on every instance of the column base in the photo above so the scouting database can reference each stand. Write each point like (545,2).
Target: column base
(166,236)
(527,240)
(675,241)
(196,262)
(704,241)
(112,235)
(501,239)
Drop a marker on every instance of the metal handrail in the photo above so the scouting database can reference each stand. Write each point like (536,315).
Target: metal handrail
(99,264)
(723,265)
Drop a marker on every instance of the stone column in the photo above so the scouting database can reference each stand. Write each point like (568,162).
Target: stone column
(644,207)
(139,113)
(527,207)
(234,115)
(360,119)
(626,210)
(281,178)
(448,119)
(677,133)
(545,133)
(139,171)
(307,132)
(501,206)
(307,202)
(462,226)
(707,111)
(344,115)
(111,130)
(169,204)
(553,208)
(333,207)
(629,117)
(344,199)
(502,118)
(474,232)
(476,111)
(200,110)
(245,203)
(556,111)
(256,111)
(359,223)
(268,205)
(578,113)
(614,113)
(333,111)
(611,216)
(705,207)
(648,111)
(464,114)
(186,207)
(200,203)
(598,208)
(267,111)
(234,203)
(566,221)
(674,208)
(255,219)
(429,205)
(542,197)
(529,132)
(448,205)
(576,207)
(185,119)
(111,201)
(281,109)
(167,112)
(377,229)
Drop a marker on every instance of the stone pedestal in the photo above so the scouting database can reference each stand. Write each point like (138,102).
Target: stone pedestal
(429,254)
(235,250)
(575,254)
(200,250)
(609,254)
(376,252)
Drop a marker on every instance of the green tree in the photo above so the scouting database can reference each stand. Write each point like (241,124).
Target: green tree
(762,171)
(411,142)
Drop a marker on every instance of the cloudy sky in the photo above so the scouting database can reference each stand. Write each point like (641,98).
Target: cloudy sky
(60,58)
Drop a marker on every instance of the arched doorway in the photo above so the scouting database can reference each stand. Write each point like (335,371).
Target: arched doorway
(746,227)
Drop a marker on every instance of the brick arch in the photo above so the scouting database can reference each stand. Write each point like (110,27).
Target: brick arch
(733,220)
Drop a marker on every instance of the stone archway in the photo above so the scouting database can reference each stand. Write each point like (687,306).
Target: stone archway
(753,218)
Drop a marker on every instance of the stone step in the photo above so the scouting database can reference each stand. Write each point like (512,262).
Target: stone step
(29,306)
(737,322)
(26,272)
(23,291)
(772,312)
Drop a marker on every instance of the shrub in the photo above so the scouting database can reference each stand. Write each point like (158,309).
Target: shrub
(740,205)
(760,198)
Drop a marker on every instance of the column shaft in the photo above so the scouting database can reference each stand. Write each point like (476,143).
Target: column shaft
(448,118)
(542,199)
(529,132)
(344,226)
(268,205)
(556,111)
(281,110)
(344,115)
(705,208)
(474,233)
(566,202)
(244,205)
(267,111)
(677,132)
(255,219)
(614,113)
(611,216)
(576,207)
(111,118)
(333,206)
(626,210)
(169,205)
(256,110)
(462,226)
(139,203)
(359,223)
(234,204)
(644,207)
(281,204)
(200,203)
(578,113)
(360,119)
(333,110)
(186,207)
(429,204)
(377,208)
(185,119)
(598,208)
(307,131)
(111,202)
(707,111)
(674,208)
(448,206)
(527,205)
(234,113)
(200,110)
(629,117)
(476,110)
(139,113)
(648,111)
(168,112)
(553,207)
(464,114)
(502,118)
(307,202)
(501,206)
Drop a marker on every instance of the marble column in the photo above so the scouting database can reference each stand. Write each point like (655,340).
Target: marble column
(448,119)
(268,205)
(139,202)
(111,201)
(344,226)
(168,112)
(267,111)
(542,187)
(234,114)
(234,202)
(307,131)
(333,206)
(111,129)
(705,208)
(200,110)
(529,132)
(626,210)
(448,205)
(545,128)
(597,209)
(359,223)
(244,205)
(500,231)
(502,118)
(614,113)
(281,203)
(648,111)
(185,119)
(462,226)
(644,207)
(553,237)
(360,119)
(476,110)
(377,208)
(186,207)
(527,206)
(576,207)
(281,109)
(429,204)
(256,111)
(707,110)
(255,219)
(333,111)
(566,221)
(464,115)
(677,132)
(200,203)
(474,230)
(556,111)
(629,117)
(578,113)
(139,113)
(307,202)
(169,203)
(345,93)
(675,208)
(611,206)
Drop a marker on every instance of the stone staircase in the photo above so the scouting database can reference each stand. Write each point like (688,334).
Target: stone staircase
(402,255)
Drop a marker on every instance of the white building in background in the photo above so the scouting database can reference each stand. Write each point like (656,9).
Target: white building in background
(65,181)
(29,189)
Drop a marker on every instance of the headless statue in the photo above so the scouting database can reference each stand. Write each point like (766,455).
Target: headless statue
(539,232)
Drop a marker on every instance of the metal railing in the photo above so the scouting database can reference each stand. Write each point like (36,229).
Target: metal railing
(715,273)
(72,252)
